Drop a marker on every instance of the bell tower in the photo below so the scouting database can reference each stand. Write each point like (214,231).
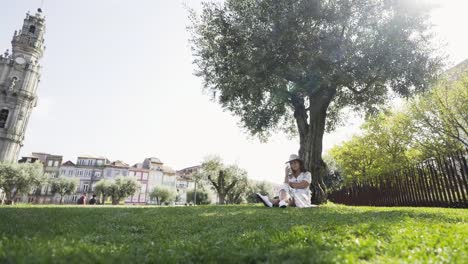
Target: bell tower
(19,78)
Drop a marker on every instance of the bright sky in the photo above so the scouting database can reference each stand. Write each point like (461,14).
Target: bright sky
(117,81)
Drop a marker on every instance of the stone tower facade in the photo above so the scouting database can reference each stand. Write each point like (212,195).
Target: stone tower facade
(19,78)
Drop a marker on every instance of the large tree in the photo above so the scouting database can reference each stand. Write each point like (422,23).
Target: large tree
(295,64)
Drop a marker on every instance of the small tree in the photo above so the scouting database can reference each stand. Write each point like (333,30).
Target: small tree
(162,195)
(202,197)
(221,177)
(63,186)
(102,189)
(238,193)
(19,178)
(121,188)
(263,188)
(199,180)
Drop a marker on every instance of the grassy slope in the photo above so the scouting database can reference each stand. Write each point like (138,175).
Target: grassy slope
(232,234)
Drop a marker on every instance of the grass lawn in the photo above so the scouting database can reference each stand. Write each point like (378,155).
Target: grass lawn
(232,234)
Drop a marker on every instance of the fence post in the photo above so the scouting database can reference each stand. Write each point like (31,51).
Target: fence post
(435,182)
(458,179)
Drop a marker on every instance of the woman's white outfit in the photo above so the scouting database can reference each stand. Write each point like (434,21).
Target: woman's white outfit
(301,196)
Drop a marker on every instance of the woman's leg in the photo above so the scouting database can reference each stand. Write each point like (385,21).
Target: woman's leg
(292,202)
(275,202)
(283,196)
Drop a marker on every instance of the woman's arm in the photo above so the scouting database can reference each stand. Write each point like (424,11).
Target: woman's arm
(286,175)
(299,185)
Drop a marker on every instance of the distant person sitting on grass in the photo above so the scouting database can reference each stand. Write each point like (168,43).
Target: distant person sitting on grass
(93,200)
(295,190)
(82,199)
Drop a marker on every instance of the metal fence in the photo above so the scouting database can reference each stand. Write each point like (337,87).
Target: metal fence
(438,182)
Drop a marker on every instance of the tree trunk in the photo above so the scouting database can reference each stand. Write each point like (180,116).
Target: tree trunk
(311,127)
(10,198)
(222,197)
(195,194)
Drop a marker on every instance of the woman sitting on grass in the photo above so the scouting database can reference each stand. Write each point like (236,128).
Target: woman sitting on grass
(295,190)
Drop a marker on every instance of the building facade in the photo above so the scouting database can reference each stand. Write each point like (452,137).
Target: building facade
(186,182)
(159,175)
(87,171)
(19,79)
(142,175)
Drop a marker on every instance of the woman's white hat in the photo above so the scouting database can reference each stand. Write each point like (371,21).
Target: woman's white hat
(293,157)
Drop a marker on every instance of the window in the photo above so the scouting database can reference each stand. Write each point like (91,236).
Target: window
(145,176)
(32,29)
(56,163)
(85,187)
(3,117)
(50,163)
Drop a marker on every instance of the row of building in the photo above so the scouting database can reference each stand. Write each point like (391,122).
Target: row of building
(87,170)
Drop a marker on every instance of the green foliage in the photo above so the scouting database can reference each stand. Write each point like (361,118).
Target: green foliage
(20,178)
(63,186)
(263,188)
(333,180)
(229,181)
(238,193)
(233,234)
(102,189)
(117,189)
(268,60)
(202,197)
(162,195)
(122,187)
(440,117)
(432,124)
